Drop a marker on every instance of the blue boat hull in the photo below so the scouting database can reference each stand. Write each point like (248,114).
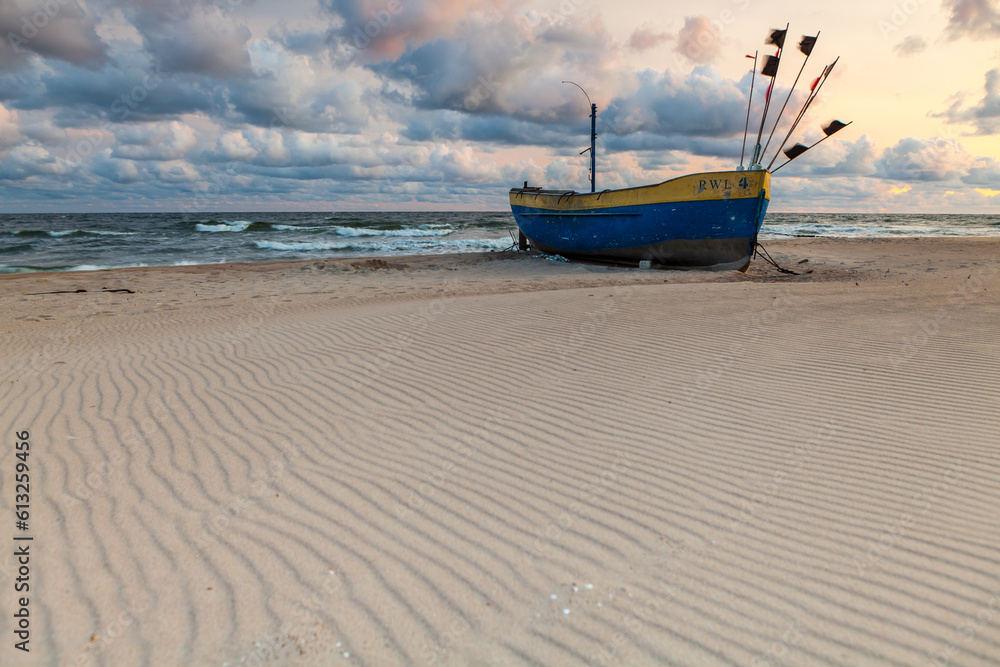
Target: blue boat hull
(698,226)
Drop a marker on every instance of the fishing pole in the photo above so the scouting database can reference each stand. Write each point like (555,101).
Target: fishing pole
(777,37)
(806,45)
(814,91)
(799,149)
(746,128)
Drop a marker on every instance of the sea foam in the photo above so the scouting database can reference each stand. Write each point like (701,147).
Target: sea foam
(236,226)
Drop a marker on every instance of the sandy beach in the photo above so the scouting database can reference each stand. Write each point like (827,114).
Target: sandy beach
(502,459)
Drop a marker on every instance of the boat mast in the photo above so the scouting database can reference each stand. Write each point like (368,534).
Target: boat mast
(593,139)
(593,147)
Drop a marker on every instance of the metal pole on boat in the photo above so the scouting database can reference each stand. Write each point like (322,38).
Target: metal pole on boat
(593,147)
(809,43)
(817,85)
(746,128)
(757,155)
(799,149)
(593,138)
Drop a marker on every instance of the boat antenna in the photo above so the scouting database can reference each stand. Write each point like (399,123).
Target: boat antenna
(813,92)
(746,128)
(777,37)
(799,149)
(806,45)
(593,139)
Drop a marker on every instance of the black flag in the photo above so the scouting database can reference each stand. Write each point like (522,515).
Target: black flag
(777,37)
(834,126)
(795,151)
(770,66)
(806,44)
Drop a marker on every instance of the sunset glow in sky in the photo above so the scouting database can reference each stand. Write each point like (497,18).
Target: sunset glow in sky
(340,105)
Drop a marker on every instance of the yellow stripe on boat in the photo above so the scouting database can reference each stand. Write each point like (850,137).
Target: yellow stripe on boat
(693,187)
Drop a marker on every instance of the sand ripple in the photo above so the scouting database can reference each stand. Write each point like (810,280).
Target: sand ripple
(676,474)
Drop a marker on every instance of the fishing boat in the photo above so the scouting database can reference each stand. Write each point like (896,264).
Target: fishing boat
(698,221)
(707,220)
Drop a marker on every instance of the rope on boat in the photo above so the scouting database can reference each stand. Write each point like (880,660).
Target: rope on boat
(758,248)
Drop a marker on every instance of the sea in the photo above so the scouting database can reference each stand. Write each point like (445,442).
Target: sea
(89,241)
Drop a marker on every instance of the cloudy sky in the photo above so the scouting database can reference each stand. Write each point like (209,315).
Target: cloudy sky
(340,105)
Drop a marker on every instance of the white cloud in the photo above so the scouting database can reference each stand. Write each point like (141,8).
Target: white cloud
(10,133)
(699,40)
(383,30)
(235,146)
(912,45)
(984,171)
(835,158)
(984,115)
(914,159)
(155,141)
(313,149)
(176,171)
(60,29)
(973,18)
(270,145)
(116,170)
(448,101)
(185,36)
(30,160)
(643,39)
(512,64)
